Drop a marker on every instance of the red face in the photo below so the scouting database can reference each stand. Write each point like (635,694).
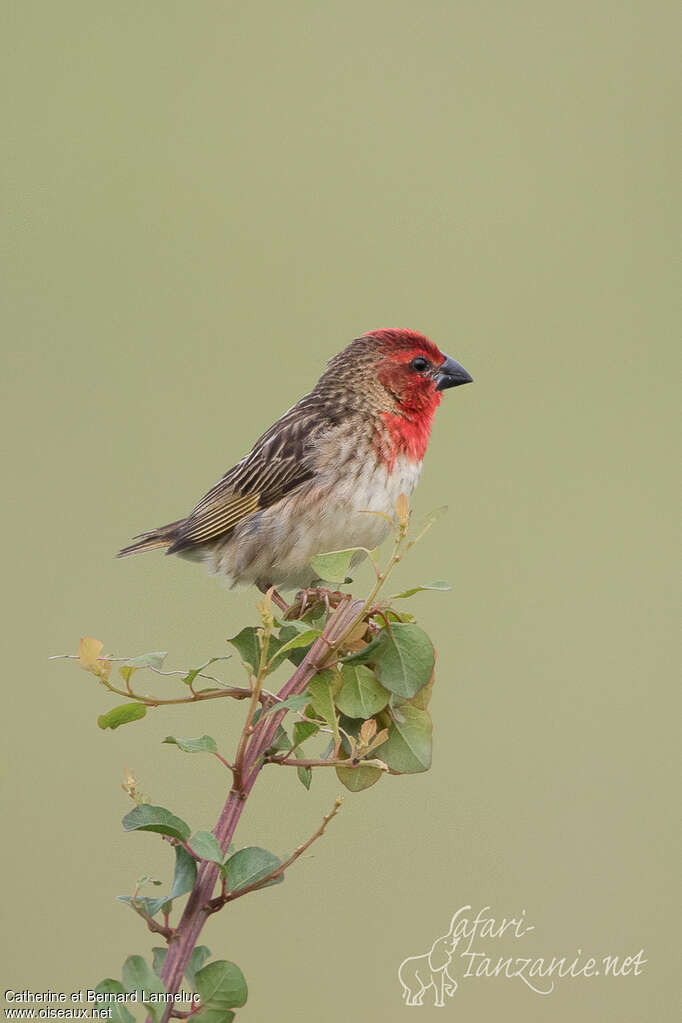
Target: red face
(414,369)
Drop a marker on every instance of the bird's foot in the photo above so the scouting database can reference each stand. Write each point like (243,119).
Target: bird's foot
(306,599)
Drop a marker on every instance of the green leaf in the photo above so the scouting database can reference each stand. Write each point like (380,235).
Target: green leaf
(299,640)
(408,747)
(329,748)
(292,629)
(147,879)
(294,702)
(205,744)
(185,873)
(317,615)
(355,779)
(122,715)
(191,675)
(333,567)
(304,730)
(297,624)
(207,846)
(183,881)
(159,958)
(247,646)
(156,818)
(403,616)
(247,866)
(305,776)
(139,976)
(209,1015)
(403,658)
(280,741)
(142,905)
(119,1013)
(221,986)
(439,584)
(350,726)
(198,958)
(422,697)
(322,688)
(153,660)
(362,695)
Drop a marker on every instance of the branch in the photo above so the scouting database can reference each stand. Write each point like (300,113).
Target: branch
(254,750)
(157,928)
(264,639)
(215,904)
(350,763)
(196,909)
(236,692)
(341,622)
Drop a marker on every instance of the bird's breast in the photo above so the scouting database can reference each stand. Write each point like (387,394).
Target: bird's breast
(329,513)
(374,488)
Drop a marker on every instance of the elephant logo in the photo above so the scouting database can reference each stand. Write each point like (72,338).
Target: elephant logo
(418,973)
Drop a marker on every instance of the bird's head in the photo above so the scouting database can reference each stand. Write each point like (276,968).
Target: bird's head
(398,375)
(413,369)
(399,370)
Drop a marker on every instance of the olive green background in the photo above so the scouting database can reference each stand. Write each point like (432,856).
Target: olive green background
(202,203)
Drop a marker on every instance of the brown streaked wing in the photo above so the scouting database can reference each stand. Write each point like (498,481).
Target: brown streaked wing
(278,463)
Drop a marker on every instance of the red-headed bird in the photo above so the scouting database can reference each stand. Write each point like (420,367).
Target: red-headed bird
(352,445)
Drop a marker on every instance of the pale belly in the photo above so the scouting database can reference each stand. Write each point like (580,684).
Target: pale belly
(274,547)
(348,521)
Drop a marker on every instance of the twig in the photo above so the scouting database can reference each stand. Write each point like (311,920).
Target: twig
(147,667)
(186,846)
(222,759)
(215,904)
(247,730)
(343,615)
(236,692)
(350,763)
(195,912)
(369,602)
(156,928)
(344,618)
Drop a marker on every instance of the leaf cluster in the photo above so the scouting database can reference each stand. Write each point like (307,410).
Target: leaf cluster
(361,709)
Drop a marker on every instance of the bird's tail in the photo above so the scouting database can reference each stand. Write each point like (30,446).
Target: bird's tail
(161,537)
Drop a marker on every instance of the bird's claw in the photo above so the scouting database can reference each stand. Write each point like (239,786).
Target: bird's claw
(312,595)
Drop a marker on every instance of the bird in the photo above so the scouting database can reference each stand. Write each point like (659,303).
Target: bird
(351,446)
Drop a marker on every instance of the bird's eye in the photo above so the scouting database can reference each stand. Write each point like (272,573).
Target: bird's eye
(420,364)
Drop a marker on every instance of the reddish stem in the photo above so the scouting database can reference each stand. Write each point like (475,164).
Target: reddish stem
(197,909)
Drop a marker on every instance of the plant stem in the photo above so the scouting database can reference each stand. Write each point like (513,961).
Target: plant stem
(198,909)
(236,692)
(315,762)
(225,896)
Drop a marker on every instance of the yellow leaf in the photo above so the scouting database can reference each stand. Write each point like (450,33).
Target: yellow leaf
(89,650)
(402,510)
(89,659)
(368,731)
(379,739)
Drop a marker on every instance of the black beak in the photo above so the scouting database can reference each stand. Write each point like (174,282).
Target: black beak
(451,374)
